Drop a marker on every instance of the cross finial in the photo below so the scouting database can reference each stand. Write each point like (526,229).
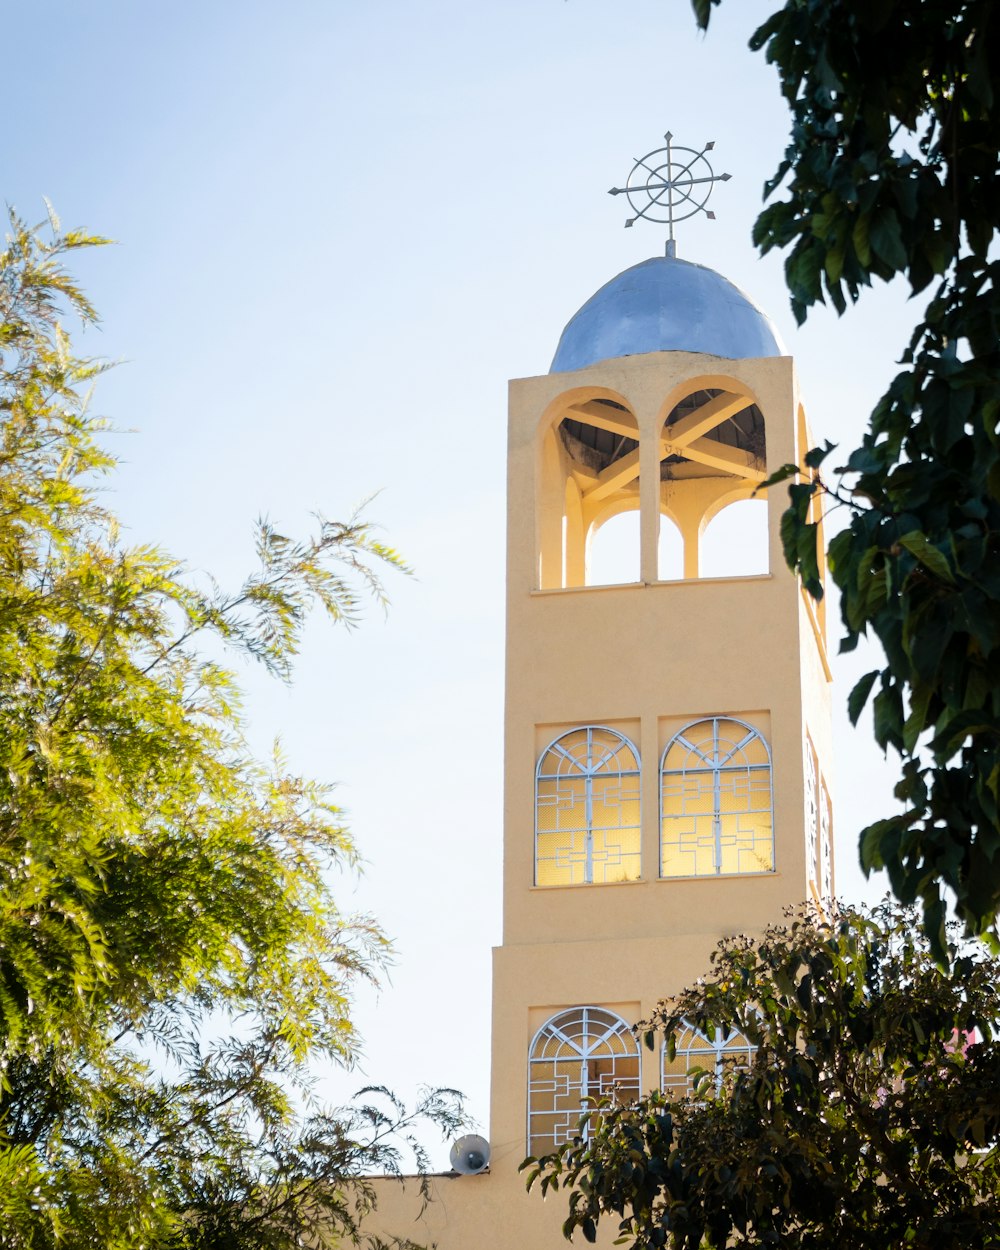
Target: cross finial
(673,180)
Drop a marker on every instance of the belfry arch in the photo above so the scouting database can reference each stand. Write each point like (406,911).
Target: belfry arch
(588,472)
(707,439)
(712,453)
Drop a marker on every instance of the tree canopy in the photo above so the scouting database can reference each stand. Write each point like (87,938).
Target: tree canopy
(868,1114)
(171,954)
(892,170)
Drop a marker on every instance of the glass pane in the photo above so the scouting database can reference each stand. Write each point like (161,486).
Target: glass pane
(674,1077)
(561,859)
(609,752)
(615,856)
(734,790)
(826,843)
(754,752)
(716,801)
(582,794)
(747,843)
(617,1078)
(607,798)
(630,813)
(717,1056)
(688,847)
(567,755)
(562,804)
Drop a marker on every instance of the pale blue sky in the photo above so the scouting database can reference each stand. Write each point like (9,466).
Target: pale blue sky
(341,227)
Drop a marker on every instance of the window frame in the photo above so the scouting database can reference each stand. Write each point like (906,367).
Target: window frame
(717,770)
(812,781)
(720,1049)
(825,841)
(588,828)
(571,1053)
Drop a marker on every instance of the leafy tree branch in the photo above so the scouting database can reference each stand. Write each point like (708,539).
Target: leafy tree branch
(866,1115)
(160,887)
(893,170)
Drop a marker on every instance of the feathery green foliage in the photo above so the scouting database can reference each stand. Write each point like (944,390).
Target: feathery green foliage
(171,955)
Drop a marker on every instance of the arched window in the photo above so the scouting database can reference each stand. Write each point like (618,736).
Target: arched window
(584,1053)
(812,814)
(587,809)
(695,1054)
(712,454)
(715,801)
(588,470)
(825,843)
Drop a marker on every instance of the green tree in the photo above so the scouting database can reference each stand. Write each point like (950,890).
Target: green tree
(864,1119)
(171,955)
(893,168)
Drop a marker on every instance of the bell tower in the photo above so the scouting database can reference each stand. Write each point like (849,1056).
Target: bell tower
(667,740)
(667,734)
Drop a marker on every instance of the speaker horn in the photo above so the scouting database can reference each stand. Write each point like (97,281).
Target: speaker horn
(470,1155)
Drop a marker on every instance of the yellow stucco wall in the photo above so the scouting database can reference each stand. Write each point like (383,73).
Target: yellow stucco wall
(644,658)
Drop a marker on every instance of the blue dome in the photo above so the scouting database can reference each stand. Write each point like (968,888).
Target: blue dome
(666,305)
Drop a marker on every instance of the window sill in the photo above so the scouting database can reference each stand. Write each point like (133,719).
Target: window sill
(600,885)
(588,885)
(676,581)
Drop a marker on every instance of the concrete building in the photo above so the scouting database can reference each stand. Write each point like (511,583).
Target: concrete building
(667,738)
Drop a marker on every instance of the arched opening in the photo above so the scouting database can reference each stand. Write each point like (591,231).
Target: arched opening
(613,550)
(712,450)
(588,475)
(734,543)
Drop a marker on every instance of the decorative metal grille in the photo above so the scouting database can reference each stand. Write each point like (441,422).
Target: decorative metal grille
(695,1054)
(825,842)
(587,811)
(584,1053)
(716,801)
(812,814)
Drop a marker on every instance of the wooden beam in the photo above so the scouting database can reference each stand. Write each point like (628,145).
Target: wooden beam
(584,477)
(614,477)
(720,456)
(604,418)
(705,418)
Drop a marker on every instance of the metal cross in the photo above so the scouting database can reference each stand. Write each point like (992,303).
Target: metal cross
(680,186)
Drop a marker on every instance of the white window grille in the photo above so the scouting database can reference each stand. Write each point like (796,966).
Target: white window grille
(812,817)
(716,801)
(587,810)
(825,842)
(585,1053)
(696,1054)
